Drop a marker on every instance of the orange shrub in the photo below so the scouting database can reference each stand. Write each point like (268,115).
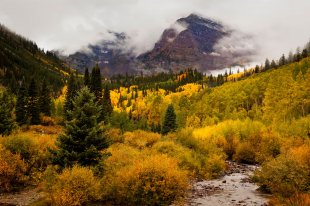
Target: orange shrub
(12,169)
(141,139)
(155,180)
(245,153)
(48,121)
(75,186)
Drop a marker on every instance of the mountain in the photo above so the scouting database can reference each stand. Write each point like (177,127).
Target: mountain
(110,55)
(200,43)
(191,41)
(21,58)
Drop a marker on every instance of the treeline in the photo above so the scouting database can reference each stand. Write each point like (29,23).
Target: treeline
(21,58)
(32,103)
(168,81)
(213,81)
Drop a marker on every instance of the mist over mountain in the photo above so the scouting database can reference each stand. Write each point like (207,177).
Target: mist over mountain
(190,42)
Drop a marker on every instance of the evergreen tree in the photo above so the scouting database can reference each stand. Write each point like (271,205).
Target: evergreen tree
(267,64)
(21,105)
(304,53)
(33,103)
(169,124)
(86,78)
(95,83)
(290,58)
(297,56)
(273,64)
(282,60)
(45,100)
(71,92)
(83,138)
(6,117)
(256,69)
(107,108)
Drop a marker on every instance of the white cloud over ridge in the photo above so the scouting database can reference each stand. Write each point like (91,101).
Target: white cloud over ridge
(276,25)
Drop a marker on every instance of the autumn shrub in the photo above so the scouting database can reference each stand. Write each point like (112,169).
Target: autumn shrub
(141,139)
(196,163)
(245,153)
(121,155)
(12,170)
(284,175)
(215,165)
(114,135)
(186,158)
(229,134)
(21,144)
(74,186)
(299,199)
(269,147)
(33,150)
(48,121)
(155,180)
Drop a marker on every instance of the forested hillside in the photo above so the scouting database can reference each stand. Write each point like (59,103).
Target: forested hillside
(21,59)
(143,140)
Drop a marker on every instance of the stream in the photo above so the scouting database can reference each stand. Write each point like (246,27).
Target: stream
(234,189)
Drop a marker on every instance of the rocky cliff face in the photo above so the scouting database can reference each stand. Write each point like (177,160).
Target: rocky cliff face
(197,45)
(109,55)
(192,41)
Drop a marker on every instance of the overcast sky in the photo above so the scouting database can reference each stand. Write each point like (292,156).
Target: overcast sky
(278,26)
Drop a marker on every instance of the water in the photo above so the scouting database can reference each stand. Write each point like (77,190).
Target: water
(235,188)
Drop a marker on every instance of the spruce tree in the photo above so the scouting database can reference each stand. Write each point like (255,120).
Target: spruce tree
(107,108)
(86,78)
(21,105)
(256,69)
(33,103)
(282,60)
(169,124)
(273,64)
(71,92)
(83,138)
(95,83)
(45,100)
(6,118)
(267,64)
(304,53)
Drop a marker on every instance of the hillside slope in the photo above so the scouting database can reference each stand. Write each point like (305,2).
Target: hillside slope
(21,58)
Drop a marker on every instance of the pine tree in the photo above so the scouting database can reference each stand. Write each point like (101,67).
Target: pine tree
(6,117)
(304,53)
(45,100)
(83,138)
(273,64)
(267,64)
(107,108)
(86,78)
(256,69)
(33,103)
(169,124)
(282,60)
(95,83)
(71,92)
(21,105)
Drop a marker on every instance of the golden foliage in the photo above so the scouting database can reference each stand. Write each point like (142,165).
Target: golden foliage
(12,169)
(155,180)
(141,139)
(75,186)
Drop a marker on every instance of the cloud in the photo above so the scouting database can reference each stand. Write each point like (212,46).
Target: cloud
(277,26)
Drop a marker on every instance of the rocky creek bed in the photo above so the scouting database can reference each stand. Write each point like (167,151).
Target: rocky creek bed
(234,188)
